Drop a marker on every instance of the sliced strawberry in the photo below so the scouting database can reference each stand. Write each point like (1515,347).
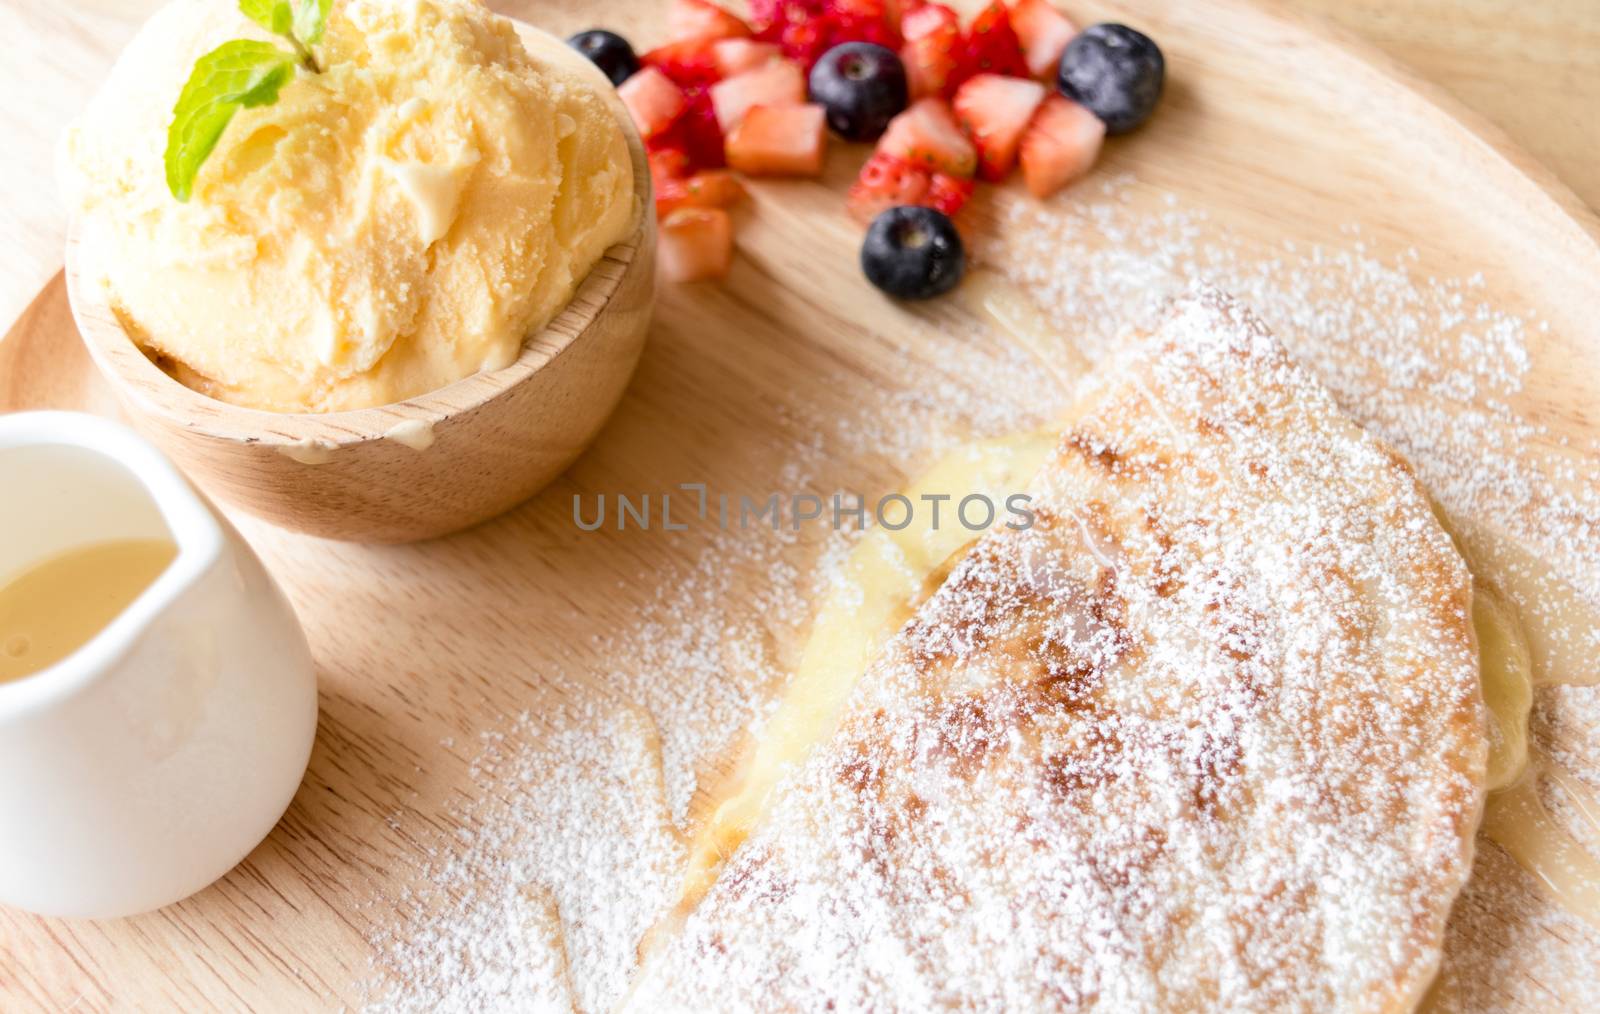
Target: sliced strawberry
(805,29)
(927,136)
(886,181)
(672,193)
(779,141)
(949,194)
(767,14)
(667,164)
(734,56)
(714,188)
(695,134)
(932,35)
(793,25)
(886,12)
(775,83)
(989,46)
(1061,145)
(874,21)
(695,244)
(692,63)
(763,13)
(702,19)
(889,182)
(654,101)
(805,41)
(996,111)
(927,19)
(703,137)
(1044,33)
(864,30)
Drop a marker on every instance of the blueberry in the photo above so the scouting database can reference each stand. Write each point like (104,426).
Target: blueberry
(609,51)
(862,86)
(1114,71)
(913,253)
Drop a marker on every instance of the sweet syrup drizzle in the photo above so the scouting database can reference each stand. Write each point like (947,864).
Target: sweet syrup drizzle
(1517,820)
(1504,666)
(1515,815)
(1560,625)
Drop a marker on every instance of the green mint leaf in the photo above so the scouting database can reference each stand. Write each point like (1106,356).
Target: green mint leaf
(310,18)
(236,75)
(276,16)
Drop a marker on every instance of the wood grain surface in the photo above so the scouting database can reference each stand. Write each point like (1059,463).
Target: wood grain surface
(1278,130)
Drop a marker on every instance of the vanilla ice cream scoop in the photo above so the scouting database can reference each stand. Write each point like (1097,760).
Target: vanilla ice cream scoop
(389,226)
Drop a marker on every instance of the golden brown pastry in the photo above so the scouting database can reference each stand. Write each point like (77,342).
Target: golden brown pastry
(1207,736)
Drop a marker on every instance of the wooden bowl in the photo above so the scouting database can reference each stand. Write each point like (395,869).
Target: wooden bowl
(419,468)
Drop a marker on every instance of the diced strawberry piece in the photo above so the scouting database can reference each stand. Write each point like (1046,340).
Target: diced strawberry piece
(696,134)
(886,182)
(763,13)
(734,56)
(767,14)
(1060,146)
(702,19)
(805,29)
(702,134)
(850,28)
(920,18)
(1044,33)
(667,164)
(949,194)
(875,21)
(695,244)
(805,41)
(927,136)
(996,111)
(692,63)
(775,83)
(886,12)
(932,34)
(653,100)
(714,188)
(889,182)
(989,46)
(672,193)
(779,141)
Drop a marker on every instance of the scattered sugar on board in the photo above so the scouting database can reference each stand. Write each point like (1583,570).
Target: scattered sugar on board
(577,836)
(1510,947)
(575,842)
(499,932)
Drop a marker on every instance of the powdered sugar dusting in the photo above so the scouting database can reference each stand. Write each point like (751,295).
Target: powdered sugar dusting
(1429,365)
(1206,735)
(577,812)
(502,924)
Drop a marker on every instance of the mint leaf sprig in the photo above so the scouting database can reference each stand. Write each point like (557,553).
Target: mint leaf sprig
(239,75)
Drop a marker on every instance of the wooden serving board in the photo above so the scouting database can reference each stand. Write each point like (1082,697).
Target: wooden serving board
(794,375)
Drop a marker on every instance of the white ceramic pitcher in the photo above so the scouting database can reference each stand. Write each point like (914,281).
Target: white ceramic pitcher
(145,765)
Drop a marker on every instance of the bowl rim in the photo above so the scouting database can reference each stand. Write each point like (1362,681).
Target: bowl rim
(158,394)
